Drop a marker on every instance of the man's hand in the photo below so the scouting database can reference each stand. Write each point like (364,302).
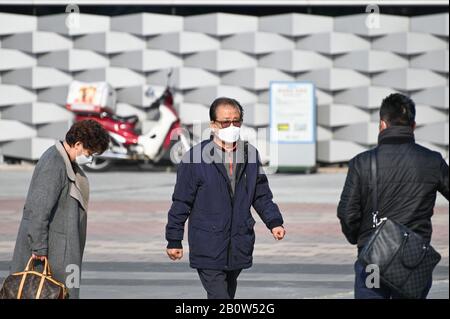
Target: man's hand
(278,233)
(36,257)
(175,254)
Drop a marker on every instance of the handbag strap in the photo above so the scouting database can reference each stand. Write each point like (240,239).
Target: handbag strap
(374,183)
(46,271)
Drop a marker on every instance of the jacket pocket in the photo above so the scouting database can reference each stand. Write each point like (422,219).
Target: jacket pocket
(245,240)
(208,238)
(248,226)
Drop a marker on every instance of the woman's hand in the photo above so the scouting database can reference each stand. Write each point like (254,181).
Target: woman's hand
(36,257)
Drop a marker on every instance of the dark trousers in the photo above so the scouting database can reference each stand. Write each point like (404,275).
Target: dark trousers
(363,292)
(219,284)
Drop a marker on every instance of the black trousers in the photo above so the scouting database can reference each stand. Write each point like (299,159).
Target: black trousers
(219,284)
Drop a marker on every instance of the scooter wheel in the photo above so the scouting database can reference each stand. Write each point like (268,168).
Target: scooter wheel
(99,165)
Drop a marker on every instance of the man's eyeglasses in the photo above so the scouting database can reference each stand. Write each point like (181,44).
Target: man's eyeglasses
(225,124)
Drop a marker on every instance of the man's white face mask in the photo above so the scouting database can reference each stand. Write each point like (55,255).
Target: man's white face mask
(229,134)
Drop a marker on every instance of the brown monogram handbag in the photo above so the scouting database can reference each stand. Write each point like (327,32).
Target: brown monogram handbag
(30,284)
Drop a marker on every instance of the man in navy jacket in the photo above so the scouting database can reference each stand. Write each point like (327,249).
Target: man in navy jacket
(218,181)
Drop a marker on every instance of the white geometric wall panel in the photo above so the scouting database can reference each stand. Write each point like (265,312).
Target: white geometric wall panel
(220,60)
(295,61)
(436,133)
(13,94)
(219,54)
(370,61)
(362,133)
(136,95)
(255,78)
(432,60)
(256,114)
(296,24)
(73,60)
(109,42)
(221,24)
(335,151)
(206,95)
(15,130)
(88,23)
(334,79)
(436,24)
(28,149)
(185,78)
(409,43)
(16,23)
(191,113)
(333,43)
(13,59)
(357,24)
(333,115)
(37,77)
(147,24)
(117,77)
(37,42)
(183,42)
(146,60)
(257,42)
(368,97)
(409,79)
(56,94)
(37,113)
(435,96)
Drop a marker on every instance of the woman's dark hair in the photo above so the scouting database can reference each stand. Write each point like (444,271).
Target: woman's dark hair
(91,134)
(398,109)
(224,101)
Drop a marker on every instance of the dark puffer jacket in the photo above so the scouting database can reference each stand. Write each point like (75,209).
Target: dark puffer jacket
(409,177)
(221,234)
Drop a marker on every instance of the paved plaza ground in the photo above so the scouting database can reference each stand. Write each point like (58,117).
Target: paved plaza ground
(125,251)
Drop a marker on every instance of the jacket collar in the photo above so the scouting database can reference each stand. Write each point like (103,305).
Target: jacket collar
(396,135)
(215,158)
(79,184)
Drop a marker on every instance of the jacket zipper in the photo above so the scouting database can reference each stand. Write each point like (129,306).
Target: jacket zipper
(231,226)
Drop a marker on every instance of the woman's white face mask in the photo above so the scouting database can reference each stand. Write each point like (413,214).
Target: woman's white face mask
(229,134)
(83,159)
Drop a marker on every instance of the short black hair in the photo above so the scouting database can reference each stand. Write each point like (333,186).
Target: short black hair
(398,110)
(91,134)
(224,101)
